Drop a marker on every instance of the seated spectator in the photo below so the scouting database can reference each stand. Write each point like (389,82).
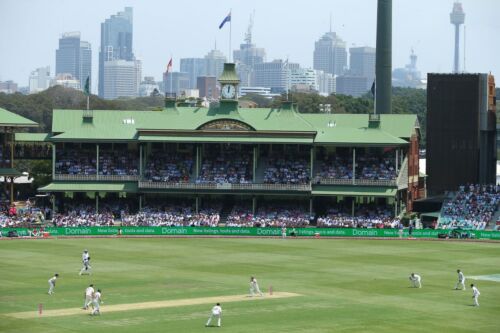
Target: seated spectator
(118,163)
(229,165)
(366,216)
(287,170)
(73,162)
(169,167)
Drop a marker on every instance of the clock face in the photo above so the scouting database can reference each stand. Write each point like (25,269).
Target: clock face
(228,91)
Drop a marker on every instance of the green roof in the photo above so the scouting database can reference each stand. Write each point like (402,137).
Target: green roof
(354,191)
(32,137)
(226,139)
(10,172)
(130,187)
(10,119)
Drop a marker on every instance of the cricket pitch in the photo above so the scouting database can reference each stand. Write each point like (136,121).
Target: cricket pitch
(151,305)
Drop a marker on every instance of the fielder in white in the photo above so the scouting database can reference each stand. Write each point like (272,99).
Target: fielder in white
(461,280)
(89,293)
(216,313)
(415,280)
(86,263)
(475,294)
(96,302)
(254,287)
(52,283)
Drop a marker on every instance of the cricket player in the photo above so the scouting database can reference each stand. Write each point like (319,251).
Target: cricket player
(89,294)
(52,283)
(475,294)
(86,263)
(283,231)
(254,287)
(415,280)
(461,280)
(96,301)
(216,312)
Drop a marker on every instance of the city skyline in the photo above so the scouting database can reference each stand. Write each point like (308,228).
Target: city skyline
(295,27)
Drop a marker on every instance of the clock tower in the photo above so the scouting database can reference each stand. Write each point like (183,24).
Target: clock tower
(229,82)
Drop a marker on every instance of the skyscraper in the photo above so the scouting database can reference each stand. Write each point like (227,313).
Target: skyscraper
(274,74)
(176,83)
(116,42)
(195,67)
(215,60)
(74,57)
(120,79)
(362,63)
(330,54)
(39,79)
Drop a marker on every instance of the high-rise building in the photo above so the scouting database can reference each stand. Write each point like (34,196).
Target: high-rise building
(120,79)
(195,67)
(330,54)
(207,85)
(409,76)
(303,79)
(362,63)
(215,60)
(274,74)
(326,83)
(39,80)
(8,87)
(74,57)
(175,83)
(148,87)
(116,42)
(351,85)
(457,18)
(461,131)
(66,80)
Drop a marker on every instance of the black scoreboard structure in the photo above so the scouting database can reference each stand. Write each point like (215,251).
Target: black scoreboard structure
(461,131)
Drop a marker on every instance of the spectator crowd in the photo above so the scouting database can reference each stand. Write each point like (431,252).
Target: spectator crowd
(366,216)
(168,167)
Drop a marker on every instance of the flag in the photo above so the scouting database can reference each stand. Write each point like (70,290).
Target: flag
(86,90)
(226,19)
(169,66)
(373,88)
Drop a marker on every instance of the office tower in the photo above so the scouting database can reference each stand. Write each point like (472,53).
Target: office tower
(457,18)
(303,79)
(215,60)
(207,85)
(66,80)
(409,76)
(120,79)
(330,54)
(326,83)
(195,67)
(39,79)
(355,86)
(74,57)
(175,83)
(274,74)
(8,87)
(116,42)
(362,63)
(461,131)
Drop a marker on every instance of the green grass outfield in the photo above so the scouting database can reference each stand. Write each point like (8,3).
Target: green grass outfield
(346,285)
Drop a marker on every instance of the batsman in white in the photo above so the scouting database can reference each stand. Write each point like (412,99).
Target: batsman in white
(461,280)
(475,294)
(86,263)
(216,313)
(52,283)
(89,293)
(254,287)
(96,302)
(415,280)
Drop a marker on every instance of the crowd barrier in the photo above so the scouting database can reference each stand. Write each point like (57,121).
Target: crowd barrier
(235,231)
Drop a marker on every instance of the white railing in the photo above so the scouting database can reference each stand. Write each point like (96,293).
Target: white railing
(96,177)
(364,182)
(225,186)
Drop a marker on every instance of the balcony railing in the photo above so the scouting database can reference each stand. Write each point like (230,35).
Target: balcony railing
(96,177)
(364,182)
(224,186)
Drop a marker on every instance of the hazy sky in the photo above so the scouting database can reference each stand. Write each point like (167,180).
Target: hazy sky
(30,29)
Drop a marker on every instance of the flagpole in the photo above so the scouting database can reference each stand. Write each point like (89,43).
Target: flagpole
(230,28)
(171,92)
(88,102)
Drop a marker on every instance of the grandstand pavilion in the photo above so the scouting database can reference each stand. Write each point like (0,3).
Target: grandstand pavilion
(232,155)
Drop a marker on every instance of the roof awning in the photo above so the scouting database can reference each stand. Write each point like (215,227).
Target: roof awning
(354,191)
(224,139)
(10,172)
(129,187)
(32,137)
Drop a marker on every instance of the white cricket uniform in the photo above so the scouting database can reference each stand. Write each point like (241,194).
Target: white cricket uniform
(86,263)
(461,281)
(96,301)
(415,281)
(52,284)
(216,313)
(89,292)
(283,232)
(475,295)
(254,288)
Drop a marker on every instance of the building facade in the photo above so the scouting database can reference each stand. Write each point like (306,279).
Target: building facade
(176,83)
(330,54)
(214,62)
(8,87)
(74,57)
(274,74)
(120,79)
(305,78)
(39,80)
(195,67)
(116,42)
(207,86)
(362,63)
(355,86)
(66,80)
